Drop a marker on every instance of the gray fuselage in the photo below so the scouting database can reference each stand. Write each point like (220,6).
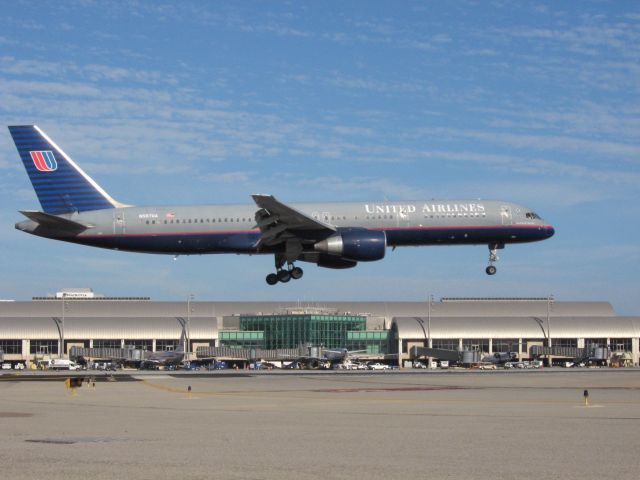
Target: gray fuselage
(232,228)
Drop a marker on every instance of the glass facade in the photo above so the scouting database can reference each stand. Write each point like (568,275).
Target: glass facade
(11,346)
(107,344)
(291,331)
(476,344)
(620,344)
(166,345)
(139,344)
(446,343)
(564,342)
(505,345)
(239,339)
(44,347)
(376,341)
(601,342)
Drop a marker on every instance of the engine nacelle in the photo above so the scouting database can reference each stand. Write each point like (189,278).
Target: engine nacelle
(329,261)
(355,245)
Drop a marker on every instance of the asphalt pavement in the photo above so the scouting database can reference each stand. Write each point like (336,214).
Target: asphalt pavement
(264,425)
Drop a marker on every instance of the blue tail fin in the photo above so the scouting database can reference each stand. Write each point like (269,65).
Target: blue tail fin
(61,185)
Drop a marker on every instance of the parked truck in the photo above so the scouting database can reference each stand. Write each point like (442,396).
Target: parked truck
(63,364)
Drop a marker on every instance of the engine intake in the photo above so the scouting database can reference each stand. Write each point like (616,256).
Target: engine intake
(355,245)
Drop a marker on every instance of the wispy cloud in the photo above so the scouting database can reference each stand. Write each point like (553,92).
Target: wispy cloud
(91,72)
(356,187)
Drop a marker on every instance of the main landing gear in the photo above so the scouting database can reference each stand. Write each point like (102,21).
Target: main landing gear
(284,274)
(493,257)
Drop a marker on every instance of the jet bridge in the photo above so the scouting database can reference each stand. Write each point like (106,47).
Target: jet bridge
(251,353)
(592,353)
(122,354)
(460,356)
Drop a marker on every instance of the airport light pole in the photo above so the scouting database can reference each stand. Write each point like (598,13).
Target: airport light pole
(424,332)
(429,328)
(549,305)
(429,320)
(187,334)
(61,353)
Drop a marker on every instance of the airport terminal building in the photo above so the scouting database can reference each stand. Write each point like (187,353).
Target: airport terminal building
(47,327)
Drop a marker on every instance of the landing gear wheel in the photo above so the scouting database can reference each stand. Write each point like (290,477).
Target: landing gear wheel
(491,270)
(272,279)
(284,276)
(296,273)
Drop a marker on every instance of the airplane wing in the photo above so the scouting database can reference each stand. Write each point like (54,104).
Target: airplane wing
(279,222)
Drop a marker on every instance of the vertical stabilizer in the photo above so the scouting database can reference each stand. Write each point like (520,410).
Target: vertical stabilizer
(61,185)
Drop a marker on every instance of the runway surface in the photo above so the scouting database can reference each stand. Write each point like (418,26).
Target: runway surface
(530,424)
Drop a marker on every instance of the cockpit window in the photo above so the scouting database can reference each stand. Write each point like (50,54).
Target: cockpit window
(532,215)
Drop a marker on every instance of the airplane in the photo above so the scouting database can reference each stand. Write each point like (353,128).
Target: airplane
(329,359)
(169,357)
(339,355)
(332,235)
(500,358)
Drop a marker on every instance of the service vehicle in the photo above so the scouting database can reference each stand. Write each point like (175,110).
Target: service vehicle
(63,364)
(488,366)
(377,366)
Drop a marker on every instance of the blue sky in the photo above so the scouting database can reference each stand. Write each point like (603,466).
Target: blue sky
(208,102)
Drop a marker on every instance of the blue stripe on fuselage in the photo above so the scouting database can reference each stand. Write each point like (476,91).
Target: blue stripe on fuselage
(467,235)
(245,241)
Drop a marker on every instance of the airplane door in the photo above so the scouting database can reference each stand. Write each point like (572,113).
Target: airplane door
(505,215)
(119,226)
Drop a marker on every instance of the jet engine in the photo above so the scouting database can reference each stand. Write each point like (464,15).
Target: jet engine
(355,245)
(329,261)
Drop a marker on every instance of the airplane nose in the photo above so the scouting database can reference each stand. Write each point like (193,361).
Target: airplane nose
(550,231)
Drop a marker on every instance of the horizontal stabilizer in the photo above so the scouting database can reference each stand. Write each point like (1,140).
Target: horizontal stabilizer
(54,222)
